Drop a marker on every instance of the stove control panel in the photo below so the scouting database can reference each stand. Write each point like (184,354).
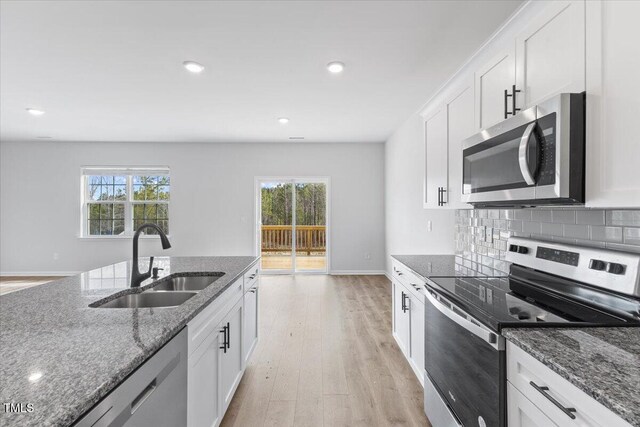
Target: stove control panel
(613,270)
(556,255)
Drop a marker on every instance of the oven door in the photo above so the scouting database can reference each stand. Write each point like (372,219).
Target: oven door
(465,362)
(500,163)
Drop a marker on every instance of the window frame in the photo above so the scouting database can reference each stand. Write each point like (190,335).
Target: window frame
(129,173)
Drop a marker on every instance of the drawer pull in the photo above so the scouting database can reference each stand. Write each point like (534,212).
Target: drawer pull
(569,412)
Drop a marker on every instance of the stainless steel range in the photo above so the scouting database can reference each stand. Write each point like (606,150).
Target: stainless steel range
(549,285)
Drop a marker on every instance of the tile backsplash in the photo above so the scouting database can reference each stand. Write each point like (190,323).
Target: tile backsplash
(481,234)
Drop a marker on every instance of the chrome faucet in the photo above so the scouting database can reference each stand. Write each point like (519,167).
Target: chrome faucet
(136,276)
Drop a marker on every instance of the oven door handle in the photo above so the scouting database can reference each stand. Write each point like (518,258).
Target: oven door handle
(486,335)
(523,154)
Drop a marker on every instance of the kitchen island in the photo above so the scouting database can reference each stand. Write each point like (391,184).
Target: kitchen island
(59,356)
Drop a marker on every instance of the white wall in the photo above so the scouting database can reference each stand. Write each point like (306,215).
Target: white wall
(212,200)
(405,218)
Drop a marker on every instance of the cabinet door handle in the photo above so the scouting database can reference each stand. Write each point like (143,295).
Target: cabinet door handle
(252,290)
(506,103)
(228,335)
(405,307)
(441,191)
(223,347)
(402,302)
(569,412)
(514,110)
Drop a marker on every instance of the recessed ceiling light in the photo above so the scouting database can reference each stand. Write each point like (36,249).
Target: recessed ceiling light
(35,111)
(335,67)
(193,66)
(283,120)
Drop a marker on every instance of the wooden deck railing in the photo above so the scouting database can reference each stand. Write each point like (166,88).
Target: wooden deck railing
(309,238)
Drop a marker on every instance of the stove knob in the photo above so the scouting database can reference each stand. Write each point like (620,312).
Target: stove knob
(596,264)
(523,250)
(513,248)
(614,268)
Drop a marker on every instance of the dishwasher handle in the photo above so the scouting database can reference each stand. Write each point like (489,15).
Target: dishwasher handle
(139,400)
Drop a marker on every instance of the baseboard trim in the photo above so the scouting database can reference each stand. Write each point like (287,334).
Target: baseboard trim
(357,273)
(38,273)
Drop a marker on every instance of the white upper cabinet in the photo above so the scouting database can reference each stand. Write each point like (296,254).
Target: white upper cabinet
(613,104)
(460,125)
(492,80)
(436,172)
(550,53)
(445,129)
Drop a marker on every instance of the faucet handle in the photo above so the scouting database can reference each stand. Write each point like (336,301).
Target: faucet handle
(155,272)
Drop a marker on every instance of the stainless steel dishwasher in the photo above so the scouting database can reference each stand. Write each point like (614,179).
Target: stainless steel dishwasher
(154,395)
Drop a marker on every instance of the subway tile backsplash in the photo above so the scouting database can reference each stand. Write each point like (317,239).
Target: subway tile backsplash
(481,234)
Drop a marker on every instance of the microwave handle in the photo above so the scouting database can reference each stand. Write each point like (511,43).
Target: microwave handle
(488,336)
(523,154)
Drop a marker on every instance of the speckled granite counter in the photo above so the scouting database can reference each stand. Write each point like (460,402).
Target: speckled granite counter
(62,356)
(602,362)
(429,265)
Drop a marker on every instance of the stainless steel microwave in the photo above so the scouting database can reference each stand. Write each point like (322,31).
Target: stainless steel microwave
(532,159)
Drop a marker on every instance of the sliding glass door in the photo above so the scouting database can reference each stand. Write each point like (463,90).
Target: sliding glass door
(292,225)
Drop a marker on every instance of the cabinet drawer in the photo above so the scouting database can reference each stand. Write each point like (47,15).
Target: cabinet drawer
(251,276)
(522,413)
(207,320)
(413,283)
(542,387)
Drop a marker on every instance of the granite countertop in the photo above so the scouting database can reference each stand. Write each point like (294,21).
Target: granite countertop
(602,362)
(429,265)
(62,357)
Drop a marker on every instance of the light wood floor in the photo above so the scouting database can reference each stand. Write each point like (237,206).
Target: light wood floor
(326,357)
(275,262)
(16,283)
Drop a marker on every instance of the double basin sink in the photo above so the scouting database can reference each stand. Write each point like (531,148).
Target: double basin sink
(168,292)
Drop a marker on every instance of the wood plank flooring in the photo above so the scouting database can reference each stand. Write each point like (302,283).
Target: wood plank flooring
(326,357)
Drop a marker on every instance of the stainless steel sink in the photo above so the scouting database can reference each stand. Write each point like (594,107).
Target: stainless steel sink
(149,299)
(186,283)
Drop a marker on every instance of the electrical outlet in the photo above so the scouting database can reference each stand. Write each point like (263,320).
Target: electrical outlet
(429,225)
(56,256)
(488,236)
(367,256)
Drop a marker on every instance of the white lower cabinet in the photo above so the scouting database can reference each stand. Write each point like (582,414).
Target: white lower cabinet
(408,316)
(250,323)
(416,326)
(221,339)
(203,395)
(537,396)
(231,360)
(401,316)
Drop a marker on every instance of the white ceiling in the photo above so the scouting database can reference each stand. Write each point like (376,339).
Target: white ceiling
(112,70)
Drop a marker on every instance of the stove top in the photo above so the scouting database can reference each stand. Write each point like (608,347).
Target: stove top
(550,285)
(500,302)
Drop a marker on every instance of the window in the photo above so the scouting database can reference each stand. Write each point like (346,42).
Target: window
(116,201)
